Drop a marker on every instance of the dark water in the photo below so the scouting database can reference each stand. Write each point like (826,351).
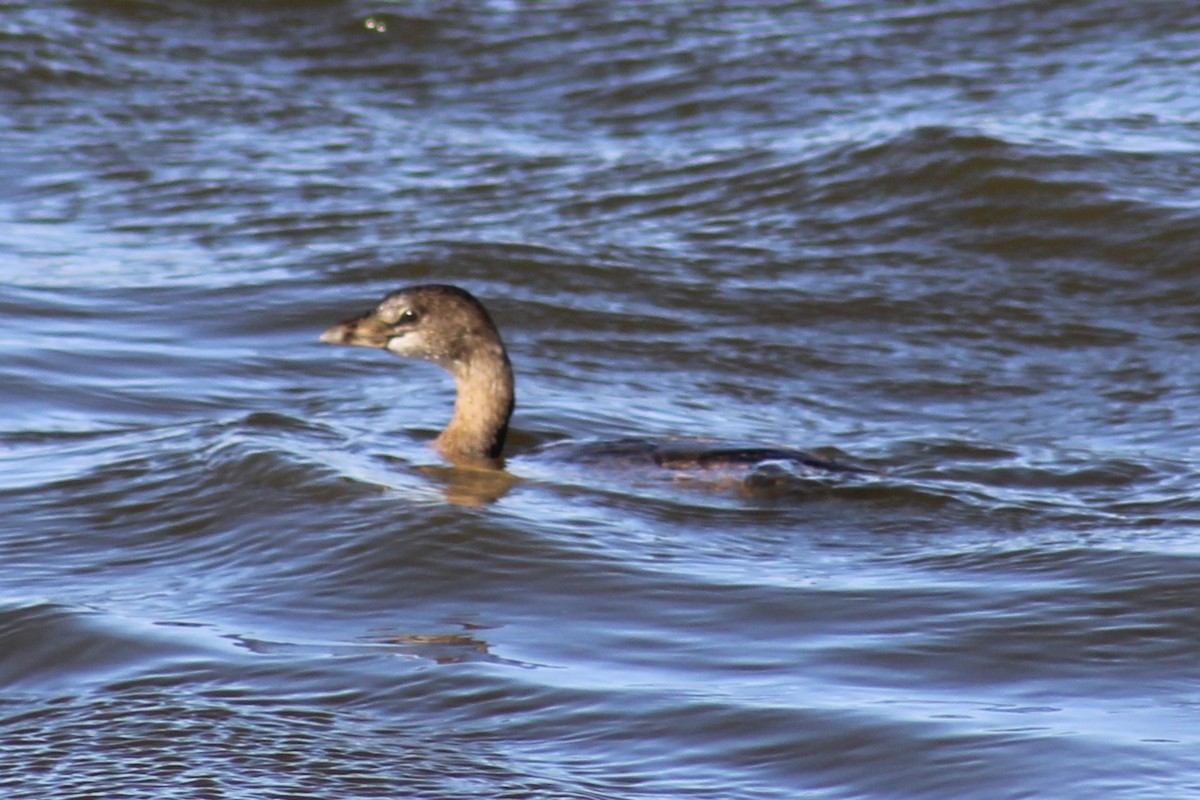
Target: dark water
(952,240)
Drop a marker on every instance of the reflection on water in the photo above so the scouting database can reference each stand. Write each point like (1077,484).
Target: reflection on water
(471,487)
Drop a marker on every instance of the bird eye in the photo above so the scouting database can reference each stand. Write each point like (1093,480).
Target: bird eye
(407,315)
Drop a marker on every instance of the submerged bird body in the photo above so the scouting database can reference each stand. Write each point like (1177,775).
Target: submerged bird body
(448,326)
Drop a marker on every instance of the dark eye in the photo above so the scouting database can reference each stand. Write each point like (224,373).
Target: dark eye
(407,316)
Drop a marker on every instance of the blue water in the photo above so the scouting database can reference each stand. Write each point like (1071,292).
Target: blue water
(950,241)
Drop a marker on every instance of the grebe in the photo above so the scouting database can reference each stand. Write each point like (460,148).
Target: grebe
(448,326)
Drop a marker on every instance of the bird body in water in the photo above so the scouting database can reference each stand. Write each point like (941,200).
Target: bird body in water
(448,326)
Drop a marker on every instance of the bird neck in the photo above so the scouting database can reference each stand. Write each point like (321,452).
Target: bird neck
(482,408)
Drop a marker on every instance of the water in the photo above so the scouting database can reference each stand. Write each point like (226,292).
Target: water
(950,240)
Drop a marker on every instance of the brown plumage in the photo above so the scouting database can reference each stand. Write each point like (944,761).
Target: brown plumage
(449,327)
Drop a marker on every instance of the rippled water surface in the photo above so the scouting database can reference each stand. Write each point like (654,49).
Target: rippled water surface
(951,241)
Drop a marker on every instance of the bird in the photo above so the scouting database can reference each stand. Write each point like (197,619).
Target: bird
(450,327)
